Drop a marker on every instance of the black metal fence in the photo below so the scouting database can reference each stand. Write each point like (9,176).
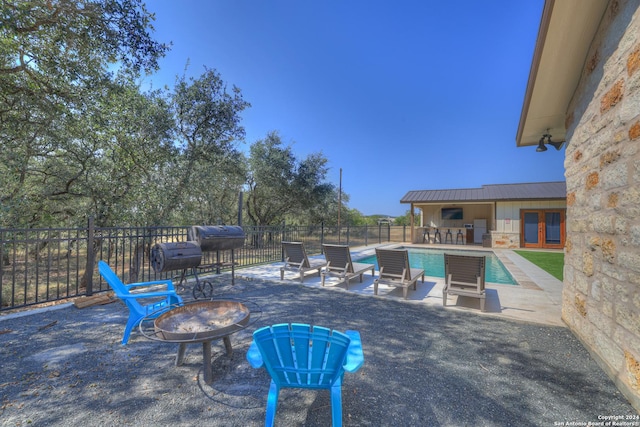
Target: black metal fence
(45,265)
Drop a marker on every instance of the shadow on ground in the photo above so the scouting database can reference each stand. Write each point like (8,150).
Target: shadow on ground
(423,366)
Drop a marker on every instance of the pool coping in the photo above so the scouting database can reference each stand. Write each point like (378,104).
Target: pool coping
(518,276)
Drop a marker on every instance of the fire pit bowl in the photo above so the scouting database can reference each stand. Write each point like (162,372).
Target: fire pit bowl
(201,321)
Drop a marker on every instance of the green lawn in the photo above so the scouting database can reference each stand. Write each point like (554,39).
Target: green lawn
(551,262)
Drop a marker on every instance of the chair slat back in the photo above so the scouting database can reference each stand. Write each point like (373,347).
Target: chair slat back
(298,355)
(112,279)
(394,262)
(465,268)
(338,256)
(296,253)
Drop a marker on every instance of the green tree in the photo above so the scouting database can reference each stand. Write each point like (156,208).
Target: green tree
(132,144)
(54,52)
(209,167)
(282,186)
(326,210)
(358,219)
(55,59)
(215,191)
(102,161)
(404,219)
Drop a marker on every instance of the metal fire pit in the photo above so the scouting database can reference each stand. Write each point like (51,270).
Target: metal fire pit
(202,321)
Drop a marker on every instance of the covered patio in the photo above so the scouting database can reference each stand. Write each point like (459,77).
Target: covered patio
(509,216)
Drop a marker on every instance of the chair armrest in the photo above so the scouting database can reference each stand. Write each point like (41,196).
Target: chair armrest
(168,283)
(355,356)
(253,355)
(291,264)
(334,268)
(148,295)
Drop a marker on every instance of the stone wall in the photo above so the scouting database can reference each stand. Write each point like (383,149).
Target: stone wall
(601,296)
(505,240)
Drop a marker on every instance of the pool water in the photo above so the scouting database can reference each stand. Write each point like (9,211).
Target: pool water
(432,261)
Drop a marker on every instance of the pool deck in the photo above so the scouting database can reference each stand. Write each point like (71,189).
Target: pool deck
(536,299)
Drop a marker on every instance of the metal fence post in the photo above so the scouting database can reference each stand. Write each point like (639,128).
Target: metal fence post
(283,239)
(91,256)
(366,235)
(2,264)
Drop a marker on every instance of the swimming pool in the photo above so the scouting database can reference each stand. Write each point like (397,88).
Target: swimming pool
(432,261)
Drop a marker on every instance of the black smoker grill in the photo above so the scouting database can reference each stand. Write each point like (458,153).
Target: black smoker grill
(175,256)
(172,256)
(188,255)
(216,238)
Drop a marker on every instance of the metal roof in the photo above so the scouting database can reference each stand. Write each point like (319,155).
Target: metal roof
(494,192)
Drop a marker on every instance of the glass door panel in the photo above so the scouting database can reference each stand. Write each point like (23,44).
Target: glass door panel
(552,228)
(531,228)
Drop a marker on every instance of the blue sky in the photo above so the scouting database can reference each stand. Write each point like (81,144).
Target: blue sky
(403,95)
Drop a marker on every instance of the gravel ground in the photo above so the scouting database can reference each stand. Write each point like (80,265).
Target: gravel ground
(424,366)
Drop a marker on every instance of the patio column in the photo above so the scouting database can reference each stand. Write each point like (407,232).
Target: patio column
(411,221)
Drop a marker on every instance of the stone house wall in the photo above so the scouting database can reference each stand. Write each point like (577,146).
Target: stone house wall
(601,294)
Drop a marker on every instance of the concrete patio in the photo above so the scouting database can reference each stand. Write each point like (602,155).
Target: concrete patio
(424,364)
(537,297)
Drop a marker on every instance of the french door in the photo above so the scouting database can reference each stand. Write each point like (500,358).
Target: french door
(542,228)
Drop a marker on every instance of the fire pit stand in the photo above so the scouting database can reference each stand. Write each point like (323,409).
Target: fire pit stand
(201,322)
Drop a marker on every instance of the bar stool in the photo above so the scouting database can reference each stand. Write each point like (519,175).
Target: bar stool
(426,236)
(460,237)
(437,236)
(448,237)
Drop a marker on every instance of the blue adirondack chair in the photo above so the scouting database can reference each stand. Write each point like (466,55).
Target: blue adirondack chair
(304,356)
(161,300)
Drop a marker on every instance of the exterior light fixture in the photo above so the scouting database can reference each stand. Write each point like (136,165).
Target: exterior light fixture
(541,146)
